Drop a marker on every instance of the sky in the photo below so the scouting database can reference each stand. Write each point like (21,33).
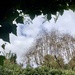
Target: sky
(30,29)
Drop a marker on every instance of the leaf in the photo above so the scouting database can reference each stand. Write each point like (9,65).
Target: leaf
(72,7)
(19,19)
(14,29)
(3,46)
(2,58)
(61,12)
(49,16)
(5,30)
(32,16)
(5,36)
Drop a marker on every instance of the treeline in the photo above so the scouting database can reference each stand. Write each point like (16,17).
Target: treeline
(48,53)
(51,50)
(10,68)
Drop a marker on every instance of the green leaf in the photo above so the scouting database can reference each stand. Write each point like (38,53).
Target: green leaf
(49,16)
(5,36)
(3,46)
(19,19)
(5,30)
(14,29)
(2,58)
(72,7)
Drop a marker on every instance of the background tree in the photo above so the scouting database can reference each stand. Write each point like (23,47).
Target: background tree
(54,44)
(50,62)
(72,63)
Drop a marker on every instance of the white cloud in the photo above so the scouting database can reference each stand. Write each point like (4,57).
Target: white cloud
(31,29)
(66,22)
(27,33)
(19,45)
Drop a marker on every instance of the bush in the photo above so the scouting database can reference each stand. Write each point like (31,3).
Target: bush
(14,69)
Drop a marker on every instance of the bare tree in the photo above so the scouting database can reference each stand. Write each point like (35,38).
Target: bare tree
(53,43)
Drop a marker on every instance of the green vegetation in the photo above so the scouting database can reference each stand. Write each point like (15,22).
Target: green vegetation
(49,67)
(14,69)
(49,62)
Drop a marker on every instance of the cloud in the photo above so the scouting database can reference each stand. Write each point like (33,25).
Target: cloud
(31,29)
(66,22)
(19,45)
(28,32)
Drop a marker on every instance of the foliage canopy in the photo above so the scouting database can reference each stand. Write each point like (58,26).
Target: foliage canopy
(32,7)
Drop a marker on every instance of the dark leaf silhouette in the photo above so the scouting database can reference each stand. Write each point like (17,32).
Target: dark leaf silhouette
(2,58)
